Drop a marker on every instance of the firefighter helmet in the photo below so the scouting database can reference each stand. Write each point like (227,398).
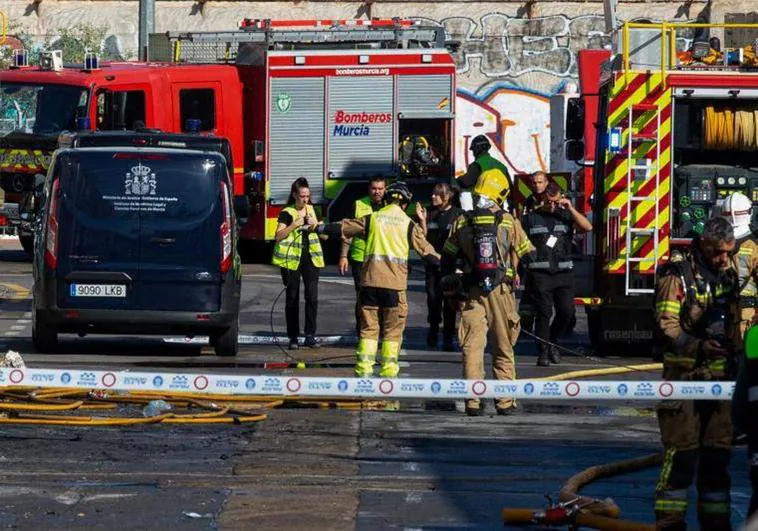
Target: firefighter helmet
(493,184)
(737,210)
(480,144)
(399,191)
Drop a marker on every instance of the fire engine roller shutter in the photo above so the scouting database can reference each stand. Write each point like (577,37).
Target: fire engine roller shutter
(296,136)
(360,126)
(425,94)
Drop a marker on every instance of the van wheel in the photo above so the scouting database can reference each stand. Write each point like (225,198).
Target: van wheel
(44,335)
(227,342)
(27,242)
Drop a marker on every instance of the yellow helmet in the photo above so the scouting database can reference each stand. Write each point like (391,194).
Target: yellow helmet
(493,184)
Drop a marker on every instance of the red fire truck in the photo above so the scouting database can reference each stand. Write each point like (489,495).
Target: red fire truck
(666,128)
(329,100)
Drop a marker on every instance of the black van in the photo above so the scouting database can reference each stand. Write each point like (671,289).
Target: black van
(137,240)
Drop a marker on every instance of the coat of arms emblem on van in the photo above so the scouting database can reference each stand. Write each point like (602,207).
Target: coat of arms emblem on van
(140,181)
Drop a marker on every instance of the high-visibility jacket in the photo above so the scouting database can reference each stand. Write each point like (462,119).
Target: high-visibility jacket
(488,162)
(287,251)
(388,236)
(358,243)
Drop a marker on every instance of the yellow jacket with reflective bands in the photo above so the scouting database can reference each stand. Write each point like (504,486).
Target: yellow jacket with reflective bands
(390,235)
(287,251)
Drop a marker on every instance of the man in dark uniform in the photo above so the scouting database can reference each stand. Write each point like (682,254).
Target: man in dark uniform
(696,314)
(550,269)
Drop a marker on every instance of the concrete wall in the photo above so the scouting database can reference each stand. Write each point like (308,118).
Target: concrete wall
(513,55)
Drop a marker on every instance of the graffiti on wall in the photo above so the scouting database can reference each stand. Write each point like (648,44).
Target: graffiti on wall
(516,121)
(502,46)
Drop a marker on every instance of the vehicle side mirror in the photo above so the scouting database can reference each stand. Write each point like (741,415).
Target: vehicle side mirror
(575,113)
(574,150)
(241,207)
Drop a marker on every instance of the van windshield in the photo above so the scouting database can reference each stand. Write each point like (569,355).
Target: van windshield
(166,186)
(40,109)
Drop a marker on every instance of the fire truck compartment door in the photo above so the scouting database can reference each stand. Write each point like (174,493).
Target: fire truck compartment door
(430,95)
(296,136)
(361,126)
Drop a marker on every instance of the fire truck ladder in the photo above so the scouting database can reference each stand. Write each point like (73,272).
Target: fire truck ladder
(650,171)
(196,46)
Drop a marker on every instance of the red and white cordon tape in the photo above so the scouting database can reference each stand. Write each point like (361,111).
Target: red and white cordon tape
(272,385)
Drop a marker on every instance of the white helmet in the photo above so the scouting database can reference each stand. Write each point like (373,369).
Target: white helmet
(737,209)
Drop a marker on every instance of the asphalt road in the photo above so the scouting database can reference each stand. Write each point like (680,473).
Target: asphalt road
(427,466)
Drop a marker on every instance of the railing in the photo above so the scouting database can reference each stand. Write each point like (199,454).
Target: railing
(668,43)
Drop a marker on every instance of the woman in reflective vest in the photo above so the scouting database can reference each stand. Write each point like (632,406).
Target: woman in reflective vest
(298,253)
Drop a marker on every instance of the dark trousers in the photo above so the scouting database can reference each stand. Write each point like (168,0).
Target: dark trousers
(550,290)
(752,451)
(355,269)
(439,308)
(291,280)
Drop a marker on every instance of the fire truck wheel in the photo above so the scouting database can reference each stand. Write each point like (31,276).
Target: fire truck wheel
(227,342)
(27,242)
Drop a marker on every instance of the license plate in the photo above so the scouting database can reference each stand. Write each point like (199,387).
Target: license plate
(98,290)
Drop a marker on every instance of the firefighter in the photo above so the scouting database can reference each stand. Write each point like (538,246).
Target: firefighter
(353,249)
(550,268)
(745,404)
(737,210)
(695,311)
(483,161)
(390,235)
(416,155)
(491,242)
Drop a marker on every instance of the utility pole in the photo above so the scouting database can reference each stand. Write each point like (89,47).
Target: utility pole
(146,26)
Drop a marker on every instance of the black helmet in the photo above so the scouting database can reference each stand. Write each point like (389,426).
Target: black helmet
(399,191)
(480,144)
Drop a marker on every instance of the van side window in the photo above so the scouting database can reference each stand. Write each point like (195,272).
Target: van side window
(120,110)
(197,105)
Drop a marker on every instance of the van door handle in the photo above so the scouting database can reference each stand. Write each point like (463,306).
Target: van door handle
(163,241)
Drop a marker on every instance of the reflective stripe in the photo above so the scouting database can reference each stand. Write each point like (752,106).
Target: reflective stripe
(714,507)
(450,247)
(666,466)
(522,249)
(752,394)
(507,222)
(366,349)
(668,307)
(566,265)
(560,228)
(509,272)
(484,220)
(384,258)
(675,494)
(672,359)
(538,230)
(716,496)
(671,506)
(538,265)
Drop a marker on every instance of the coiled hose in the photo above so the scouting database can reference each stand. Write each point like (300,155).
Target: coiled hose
(727,129)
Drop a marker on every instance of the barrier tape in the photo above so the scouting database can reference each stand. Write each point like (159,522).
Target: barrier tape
(364,387)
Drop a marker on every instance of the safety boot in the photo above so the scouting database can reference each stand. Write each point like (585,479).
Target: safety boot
(543,360)
(554,355)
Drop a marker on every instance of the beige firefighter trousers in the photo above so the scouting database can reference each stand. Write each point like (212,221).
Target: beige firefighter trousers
(494,313)
(372,317)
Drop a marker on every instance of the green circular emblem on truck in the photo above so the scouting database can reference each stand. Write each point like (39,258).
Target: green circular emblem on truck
(283,102)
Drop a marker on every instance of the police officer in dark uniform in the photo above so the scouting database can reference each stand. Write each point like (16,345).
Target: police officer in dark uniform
(696,315)
(551,279)
(745,410)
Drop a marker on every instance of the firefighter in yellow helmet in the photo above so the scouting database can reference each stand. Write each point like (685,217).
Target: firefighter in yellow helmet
(490,242)
(390,235)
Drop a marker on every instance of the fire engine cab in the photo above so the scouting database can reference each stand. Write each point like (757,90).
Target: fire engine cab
(671,123)
(335,101)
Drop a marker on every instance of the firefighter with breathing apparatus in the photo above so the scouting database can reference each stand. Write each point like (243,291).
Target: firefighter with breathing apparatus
(390,235)
(696,316)
(737,209)
(416,157)
(490,242)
